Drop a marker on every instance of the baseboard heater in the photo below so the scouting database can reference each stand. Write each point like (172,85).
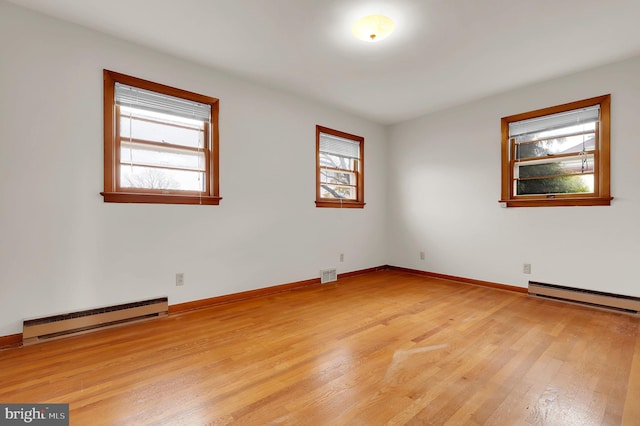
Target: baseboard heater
(597,299)
(36,330)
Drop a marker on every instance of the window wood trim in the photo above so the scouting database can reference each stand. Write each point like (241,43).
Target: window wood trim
(602,160)
(340,203)
(112,192)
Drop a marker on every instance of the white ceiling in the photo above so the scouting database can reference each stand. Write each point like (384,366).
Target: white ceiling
(443,52)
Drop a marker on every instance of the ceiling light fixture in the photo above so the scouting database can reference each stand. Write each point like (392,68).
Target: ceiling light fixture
(373,28)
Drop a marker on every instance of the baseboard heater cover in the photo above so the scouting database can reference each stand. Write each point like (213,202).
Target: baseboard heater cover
(598,299)
(36,330)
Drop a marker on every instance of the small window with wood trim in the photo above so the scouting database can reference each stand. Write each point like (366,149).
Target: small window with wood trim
(339,169)
(557,156)
(160,143)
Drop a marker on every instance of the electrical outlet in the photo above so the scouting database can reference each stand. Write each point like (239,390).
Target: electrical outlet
(179,279)
(341,257)
(526,268)
(421,255)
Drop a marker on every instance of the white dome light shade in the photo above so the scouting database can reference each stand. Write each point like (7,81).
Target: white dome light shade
(373,28)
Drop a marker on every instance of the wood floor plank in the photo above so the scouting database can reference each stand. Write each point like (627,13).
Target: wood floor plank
(632,401)
(386,347)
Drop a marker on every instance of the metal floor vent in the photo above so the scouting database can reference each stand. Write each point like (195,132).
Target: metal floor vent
(39,329)
(328,275)
(597,299)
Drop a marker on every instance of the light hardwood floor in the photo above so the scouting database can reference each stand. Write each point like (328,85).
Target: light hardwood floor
(382,348)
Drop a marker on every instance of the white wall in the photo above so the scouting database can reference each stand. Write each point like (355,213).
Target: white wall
(63,249)
(444,188)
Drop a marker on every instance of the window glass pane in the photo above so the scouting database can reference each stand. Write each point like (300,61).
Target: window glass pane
(337,191)
(158,156)
(331,176)
(565,166)
(137,127)
(561,145)
(154,178)
(556,185)
(337,162)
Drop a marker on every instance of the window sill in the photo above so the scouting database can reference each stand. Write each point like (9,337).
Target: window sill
(340,204)
(558,202)
(128,197)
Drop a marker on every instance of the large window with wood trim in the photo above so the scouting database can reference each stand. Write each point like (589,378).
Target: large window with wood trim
(557,156)
(160,143)
(339,169)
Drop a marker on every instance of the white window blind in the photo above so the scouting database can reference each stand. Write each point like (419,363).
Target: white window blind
(158,102)
(555,121)
(335,145)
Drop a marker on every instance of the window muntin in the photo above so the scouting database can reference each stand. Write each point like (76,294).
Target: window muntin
(557,156)
(340,174)
(161,143)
